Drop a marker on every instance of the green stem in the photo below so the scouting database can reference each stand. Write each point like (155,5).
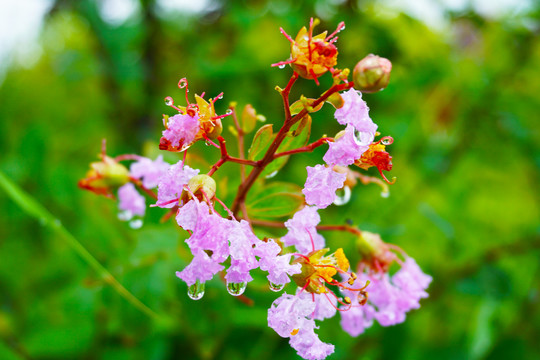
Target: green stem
(36,210)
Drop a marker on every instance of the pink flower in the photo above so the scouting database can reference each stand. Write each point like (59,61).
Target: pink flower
(308,345)
(302,231)
(130,202)
(201,268)
(278,266)
(242,241)
(149,171)
(292,317)
(210,231)
(390,298)
(348,147)
(171,184)
(321,185)
(325,305)
(355,112)
(181,130)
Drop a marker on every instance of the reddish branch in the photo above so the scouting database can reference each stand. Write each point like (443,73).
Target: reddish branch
(307,148)
(226,157)
(270,153)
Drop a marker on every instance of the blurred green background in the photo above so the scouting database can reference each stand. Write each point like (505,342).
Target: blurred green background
(463,107)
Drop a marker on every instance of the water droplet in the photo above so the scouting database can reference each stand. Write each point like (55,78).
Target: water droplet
(182,83)
(136,224)
(271,175)
(387,140)
(282,66)
(363,138)
(220,96)
(229,111)
(385,194)
(196,291)
(236,289)
(342,28)
(343,196)
(169,101)
(125,215)
(275,287)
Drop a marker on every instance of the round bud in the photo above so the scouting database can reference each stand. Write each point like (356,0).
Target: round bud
(372,74)
(202,183)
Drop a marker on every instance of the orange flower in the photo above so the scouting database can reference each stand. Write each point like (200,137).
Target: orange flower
(312,56)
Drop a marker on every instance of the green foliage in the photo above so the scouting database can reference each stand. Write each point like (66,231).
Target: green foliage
(462,106)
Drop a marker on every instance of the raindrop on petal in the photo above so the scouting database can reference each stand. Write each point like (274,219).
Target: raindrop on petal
(282,66)
(236,289)
(169,101)
(343,196)
(196,291)
(275,287)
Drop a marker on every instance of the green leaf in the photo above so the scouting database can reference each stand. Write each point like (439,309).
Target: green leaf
(277,199)
(261,142)
(297,137)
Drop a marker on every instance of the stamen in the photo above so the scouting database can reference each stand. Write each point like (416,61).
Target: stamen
(229,212)
(339,301)
(311,238)
(286,62)
(183,83)
(103,148)
(294,332)
(340,27)
(286,35)
(210,141)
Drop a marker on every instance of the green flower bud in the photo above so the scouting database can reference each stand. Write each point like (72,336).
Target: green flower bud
(202,183)
(372,74)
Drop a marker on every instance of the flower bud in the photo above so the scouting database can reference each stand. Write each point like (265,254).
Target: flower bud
(200,184)
(372,74)
(375,252)
(105,175)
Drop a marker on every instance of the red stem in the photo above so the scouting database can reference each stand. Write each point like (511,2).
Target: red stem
(226,157)
(307,148)
(289,121)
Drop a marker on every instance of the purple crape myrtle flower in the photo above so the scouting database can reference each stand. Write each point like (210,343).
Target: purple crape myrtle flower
(302,231)
(150,172)
(355,112)
(321,185)
(181,130)
(210,233)
(348,147)
(325,306)
(171,184)
(130,202)
(278,266)
(390,298)
(242,242)
(201,268)
(292,317)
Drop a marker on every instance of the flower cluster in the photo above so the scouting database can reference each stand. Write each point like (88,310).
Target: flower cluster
(225,240)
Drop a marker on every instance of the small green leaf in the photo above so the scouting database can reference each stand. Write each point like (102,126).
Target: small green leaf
(261,142)
(277,199)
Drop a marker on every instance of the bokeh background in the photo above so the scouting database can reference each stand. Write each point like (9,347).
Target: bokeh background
(463,107)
